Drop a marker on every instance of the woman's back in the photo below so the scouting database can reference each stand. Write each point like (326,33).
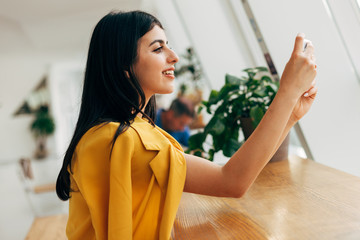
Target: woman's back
(131,194)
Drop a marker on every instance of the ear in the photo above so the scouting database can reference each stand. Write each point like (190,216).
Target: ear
(127,74)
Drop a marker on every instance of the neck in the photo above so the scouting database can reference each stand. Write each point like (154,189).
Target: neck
(147,99)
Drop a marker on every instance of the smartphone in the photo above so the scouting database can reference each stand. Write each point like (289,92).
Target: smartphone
(305,44)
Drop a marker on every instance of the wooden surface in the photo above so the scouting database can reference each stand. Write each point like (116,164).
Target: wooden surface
(48,228)
(294,199)
(50,187)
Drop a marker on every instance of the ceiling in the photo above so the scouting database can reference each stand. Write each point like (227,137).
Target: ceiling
(49,25)
(34,34)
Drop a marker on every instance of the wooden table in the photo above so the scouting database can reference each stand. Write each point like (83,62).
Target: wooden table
(48,228)
(294,199)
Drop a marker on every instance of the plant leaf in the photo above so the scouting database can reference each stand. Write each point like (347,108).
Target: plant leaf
(224,91)
(260,93)
(200,109)
(266,79)
(272,87)
(218,142)
(213,98)
(230,79)
(215,126)
(247,70)
(43,124)
(198,153)
(256,114)
(196,141)
(262,69)
(211,154)
(221,109)
(230,147)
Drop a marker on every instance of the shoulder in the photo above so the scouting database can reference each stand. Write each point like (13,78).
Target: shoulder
(101,136)
(107,131)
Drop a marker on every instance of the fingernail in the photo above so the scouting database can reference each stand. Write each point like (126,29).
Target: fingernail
(306,94)
(301,34)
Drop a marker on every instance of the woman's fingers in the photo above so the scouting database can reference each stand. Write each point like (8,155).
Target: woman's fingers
(311,92)
(311,89)
(299,43)
(313,83)
(300,71)
(299,46)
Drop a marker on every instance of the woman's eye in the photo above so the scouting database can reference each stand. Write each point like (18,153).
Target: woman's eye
(159,49)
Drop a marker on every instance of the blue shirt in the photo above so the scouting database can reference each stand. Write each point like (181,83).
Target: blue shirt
(181,136)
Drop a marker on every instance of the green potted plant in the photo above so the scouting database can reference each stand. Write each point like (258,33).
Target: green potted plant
(42,126)
(239,105)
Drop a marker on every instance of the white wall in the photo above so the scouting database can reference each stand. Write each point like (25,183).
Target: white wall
(18,77)
(346,17)
(65,82)
(27,51)
(215,39)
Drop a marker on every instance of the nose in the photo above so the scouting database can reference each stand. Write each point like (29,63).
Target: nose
(173,57)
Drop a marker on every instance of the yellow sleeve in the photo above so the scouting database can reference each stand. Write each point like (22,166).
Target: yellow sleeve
(105,186)
(120,199)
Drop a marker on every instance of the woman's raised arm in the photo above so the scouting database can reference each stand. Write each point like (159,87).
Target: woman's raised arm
(296,94)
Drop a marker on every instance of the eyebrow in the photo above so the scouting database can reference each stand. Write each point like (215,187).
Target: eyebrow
(159,41)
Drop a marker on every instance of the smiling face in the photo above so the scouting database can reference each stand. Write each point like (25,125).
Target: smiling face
(154,67)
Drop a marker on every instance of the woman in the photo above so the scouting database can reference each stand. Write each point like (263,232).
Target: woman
(123,175)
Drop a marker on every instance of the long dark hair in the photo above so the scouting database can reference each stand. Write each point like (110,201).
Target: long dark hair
(111,92)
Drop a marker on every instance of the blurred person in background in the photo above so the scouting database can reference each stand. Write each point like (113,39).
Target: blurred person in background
(176,119)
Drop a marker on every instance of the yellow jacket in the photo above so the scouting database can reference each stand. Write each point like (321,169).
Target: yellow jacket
(132,195)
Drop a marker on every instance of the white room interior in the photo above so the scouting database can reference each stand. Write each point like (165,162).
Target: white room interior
(50,39)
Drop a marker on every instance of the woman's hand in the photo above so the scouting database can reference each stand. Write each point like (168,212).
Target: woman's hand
(295,96)
(300,71)
(304,103)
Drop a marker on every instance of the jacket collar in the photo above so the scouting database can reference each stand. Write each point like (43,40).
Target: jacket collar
(148,132)
(154,138)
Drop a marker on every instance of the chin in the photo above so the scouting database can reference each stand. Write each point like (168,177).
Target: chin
(168,90)
(165,88)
